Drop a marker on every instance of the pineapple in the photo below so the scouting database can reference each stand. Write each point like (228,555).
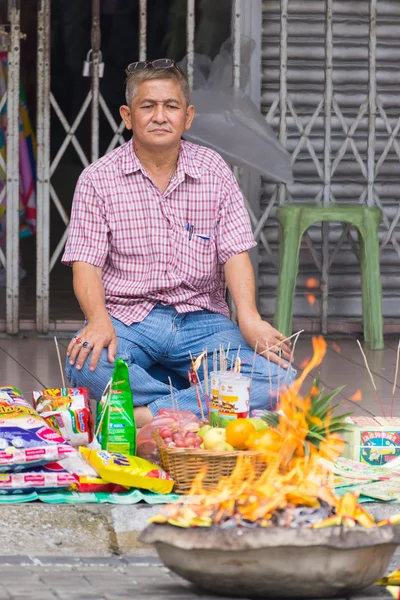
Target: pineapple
(320,413)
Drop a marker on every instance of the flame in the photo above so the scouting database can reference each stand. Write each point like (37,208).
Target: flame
(238,364)
(357,396)
(336,347)
(305,362)
(294,472)
(312,283)
(196,363)
(311,299)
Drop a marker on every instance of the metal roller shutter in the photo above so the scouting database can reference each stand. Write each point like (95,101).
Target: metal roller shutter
(354,107)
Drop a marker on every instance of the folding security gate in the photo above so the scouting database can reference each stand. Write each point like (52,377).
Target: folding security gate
(330,80)
(94,105)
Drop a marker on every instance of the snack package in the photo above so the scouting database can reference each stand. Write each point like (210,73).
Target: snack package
(45,478)
(129,471)
(87,479)
(26,441)
(115,419)
(167,417)
(94,485)
(67,411)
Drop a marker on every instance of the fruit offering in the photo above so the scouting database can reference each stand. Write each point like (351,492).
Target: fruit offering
(238,433)
(179,438)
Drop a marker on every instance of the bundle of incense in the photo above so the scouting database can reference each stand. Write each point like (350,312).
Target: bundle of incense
(206,383)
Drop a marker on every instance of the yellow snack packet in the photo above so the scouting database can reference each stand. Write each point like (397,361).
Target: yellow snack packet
(129,471)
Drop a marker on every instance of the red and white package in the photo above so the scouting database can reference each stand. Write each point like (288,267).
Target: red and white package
(45,478)
(67,411)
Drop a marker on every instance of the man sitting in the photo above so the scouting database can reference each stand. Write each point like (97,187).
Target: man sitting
(158,230)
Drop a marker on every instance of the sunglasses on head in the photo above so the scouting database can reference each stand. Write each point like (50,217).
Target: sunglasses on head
(159,63)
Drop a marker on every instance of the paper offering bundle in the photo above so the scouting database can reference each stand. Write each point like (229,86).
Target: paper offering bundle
(67,411)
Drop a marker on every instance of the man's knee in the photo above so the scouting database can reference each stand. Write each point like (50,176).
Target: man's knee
(95,381)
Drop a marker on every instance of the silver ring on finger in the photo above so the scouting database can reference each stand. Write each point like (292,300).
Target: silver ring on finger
(86,345)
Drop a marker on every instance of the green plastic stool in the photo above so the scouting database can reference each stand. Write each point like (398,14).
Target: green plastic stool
(294,220)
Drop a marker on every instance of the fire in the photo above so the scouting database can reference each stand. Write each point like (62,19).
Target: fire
(238,364)
(294,473)
(357,396)
(311,299)
(312,283)
(305,362)
(196,363)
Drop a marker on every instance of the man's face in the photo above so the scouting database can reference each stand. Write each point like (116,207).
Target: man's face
(159,114)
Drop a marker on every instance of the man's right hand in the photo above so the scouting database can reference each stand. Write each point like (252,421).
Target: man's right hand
(98,334)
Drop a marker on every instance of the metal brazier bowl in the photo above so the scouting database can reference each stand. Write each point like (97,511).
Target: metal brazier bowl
(276,561)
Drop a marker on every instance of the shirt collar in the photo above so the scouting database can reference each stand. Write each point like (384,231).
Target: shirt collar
(186,164)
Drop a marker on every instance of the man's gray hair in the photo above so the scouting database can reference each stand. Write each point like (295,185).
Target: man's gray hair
(134,79)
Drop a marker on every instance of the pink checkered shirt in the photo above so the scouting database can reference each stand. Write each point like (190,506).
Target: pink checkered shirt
(122,223)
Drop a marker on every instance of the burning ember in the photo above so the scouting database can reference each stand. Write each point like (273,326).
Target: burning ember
(295,487)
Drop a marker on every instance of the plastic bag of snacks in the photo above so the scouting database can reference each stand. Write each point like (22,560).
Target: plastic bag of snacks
(182,419)
(87,479)
(129,471)
(115,418)
(94,485)
(67,411)
(45,478)
(25,438)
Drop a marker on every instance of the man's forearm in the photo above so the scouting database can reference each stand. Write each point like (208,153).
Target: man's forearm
(89,290)
(240,280)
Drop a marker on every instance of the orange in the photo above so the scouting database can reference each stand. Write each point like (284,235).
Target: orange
(238,432)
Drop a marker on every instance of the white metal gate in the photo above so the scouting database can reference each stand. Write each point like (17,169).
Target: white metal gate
(331,76)
(10,42)
(95,101)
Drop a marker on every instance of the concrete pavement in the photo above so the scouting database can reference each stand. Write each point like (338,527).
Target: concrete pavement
(24,578)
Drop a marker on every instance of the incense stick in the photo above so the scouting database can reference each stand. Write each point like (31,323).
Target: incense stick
(254,362)
(59,361)
(215,361)
(206,386)
(106,403)
(269,375)
(281,342)
(292,357)
(372,379)
(395,378)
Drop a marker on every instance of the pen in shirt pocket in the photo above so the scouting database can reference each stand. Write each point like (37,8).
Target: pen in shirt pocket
(202,236)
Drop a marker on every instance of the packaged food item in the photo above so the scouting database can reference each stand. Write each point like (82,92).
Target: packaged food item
(129,471)
(25,438)
(116,420)
(234,398)
(67,411)
(94,485)
(45,478)
(213,416)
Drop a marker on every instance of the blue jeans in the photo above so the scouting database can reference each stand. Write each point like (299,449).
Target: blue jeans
(167,338)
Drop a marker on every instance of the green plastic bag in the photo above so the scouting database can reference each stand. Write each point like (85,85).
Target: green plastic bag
(115,419)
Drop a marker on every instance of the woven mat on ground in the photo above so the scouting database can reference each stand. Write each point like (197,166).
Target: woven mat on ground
(64,497)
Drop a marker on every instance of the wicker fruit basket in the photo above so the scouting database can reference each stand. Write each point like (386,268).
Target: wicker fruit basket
(183,464)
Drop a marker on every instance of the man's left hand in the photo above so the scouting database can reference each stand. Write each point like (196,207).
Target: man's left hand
(256,330)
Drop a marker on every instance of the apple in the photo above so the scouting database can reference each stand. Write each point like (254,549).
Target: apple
(203,430)
(213,437)
(224,447)
(259,424)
